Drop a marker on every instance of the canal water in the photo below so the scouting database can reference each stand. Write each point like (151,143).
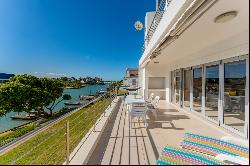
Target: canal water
(7,123)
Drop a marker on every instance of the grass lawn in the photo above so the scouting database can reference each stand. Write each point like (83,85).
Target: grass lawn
(11,135)
(48,147)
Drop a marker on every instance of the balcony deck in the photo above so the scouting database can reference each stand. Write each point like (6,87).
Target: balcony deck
(122,145)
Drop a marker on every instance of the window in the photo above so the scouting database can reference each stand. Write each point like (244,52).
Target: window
(197,89)
(234,94)
(212,91)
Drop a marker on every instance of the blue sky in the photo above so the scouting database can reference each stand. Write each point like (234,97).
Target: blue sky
(71,37)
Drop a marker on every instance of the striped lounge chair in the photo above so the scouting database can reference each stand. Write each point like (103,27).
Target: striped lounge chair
(212,146)
(178,156)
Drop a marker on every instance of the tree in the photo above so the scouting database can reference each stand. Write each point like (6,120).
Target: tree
(115,86)
(52,90)
(25,93)
(14,97)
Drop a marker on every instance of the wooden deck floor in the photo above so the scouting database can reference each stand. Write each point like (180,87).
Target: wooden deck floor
(122,145)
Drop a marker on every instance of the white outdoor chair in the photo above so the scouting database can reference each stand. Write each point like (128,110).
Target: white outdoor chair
(151,98)
(155,102)
(230,104)
(139,110)
(154,105)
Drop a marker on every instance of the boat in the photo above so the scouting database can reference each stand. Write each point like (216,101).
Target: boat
(24,117)
(102,92)
(90,97)
(72,103)
(70,87)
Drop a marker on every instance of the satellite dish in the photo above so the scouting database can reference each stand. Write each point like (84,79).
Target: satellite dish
(138,25)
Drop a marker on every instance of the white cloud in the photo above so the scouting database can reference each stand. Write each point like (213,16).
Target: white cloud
(52,74)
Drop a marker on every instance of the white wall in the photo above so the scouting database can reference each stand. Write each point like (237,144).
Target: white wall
(156,71)
(156,83)
(148,21)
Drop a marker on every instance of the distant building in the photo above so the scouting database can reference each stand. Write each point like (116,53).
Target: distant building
(131,77)
(5,77)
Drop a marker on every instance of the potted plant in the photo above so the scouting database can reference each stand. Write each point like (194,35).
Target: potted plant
(135,94)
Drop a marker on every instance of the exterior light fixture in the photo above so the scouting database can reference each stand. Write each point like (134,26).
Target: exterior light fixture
(138,25)
(225,17)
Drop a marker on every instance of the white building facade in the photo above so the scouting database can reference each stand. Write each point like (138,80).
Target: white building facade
(196,56)
(131,77)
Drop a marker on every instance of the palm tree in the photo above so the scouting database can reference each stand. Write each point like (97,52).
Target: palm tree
(115,86)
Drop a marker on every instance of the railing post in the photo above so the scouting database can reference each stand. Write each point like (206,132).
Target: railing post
(67,143)
(94,125)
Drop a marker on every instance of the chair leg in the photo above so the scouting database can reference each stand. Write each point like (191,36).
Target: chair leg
(131,121)
(155,114)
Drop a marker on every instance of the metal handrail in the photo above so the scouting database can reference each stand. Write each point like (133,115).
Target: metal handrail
(156,20)
(89,116)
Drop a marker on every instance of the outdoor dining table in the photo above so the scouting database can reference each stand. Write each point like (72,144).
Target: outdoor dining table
(130,99)
(134,99)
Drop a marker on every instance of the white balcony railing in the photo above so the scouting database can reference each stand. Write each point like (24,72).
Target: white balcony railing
(156,20)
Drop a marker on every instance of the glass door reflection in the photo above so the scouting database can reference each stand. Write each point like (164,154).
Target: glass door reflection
(234,94)
(197,89)
(178,87)
(186,88)
(212,91)
(173,87)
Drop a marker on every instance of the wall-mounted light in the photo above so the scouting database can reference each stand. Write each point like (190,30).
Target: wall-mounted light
(225,17)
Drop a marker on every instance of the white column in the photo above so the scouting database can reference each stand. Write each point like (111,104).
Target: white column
(246,129)
(203,110)
(221,94)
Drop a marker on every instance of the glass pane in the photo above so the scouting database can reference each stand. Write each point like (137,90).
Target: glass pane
(173,87)
(212,91)
(178,86)
(234,94)
(187,82)
(197,89)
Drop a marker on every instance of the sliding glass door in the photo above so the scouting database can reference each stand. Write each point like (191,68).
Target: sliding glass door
(187,74)
(197,89)
(212,83)
(173,87)
(178,87)
(234,94)
(217,91)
